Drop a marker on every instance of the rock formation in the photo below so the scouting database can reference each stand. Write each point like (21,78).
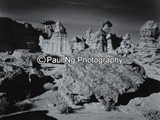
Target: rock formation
(60,28)
(107,26)
(78,44)
(104,81)
(148,44)
(147,52)
(48,27)
(89,34)
(24,59)
(146,107)
(149,30)
(100,40)
(126,46)
(113,85)
(56,42)
(20,75)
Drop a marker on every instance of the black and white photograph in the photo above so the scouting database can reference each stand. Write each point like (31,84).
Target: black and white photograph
(79,59)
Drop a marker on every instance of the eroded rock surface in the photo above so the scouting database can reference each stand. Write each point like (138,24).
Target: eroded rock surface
(147,52)
(148,107)
(105,81)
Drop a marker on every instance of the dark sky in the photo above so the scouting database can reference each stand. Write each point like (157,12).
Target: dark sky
(77,16)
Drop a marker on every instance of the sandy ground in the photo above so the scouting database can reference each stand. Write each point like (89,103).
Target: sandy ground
(92,111)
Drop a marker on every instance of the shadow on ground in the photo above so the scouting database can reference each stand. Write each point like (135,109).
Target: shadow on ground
(149,87)
(36,115)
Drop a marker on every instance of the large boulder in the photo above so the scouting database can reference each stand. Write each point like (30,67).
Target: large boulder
(103,82)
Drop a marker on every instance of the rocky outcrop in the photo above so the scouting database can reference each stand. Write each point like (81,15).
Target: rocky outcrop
(20,75)
(148,44)
(47,33)
(126,47)
(25,59)
(102,40)
(78,44)
(60,28)
(147,52)
(89,34)
(56,41)
(102,43)
(106,82)
(151,67)
(148,107)
(149,30)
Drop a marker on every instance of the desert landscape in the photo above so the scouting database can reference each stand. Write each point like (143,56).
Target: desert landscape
(46,75)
